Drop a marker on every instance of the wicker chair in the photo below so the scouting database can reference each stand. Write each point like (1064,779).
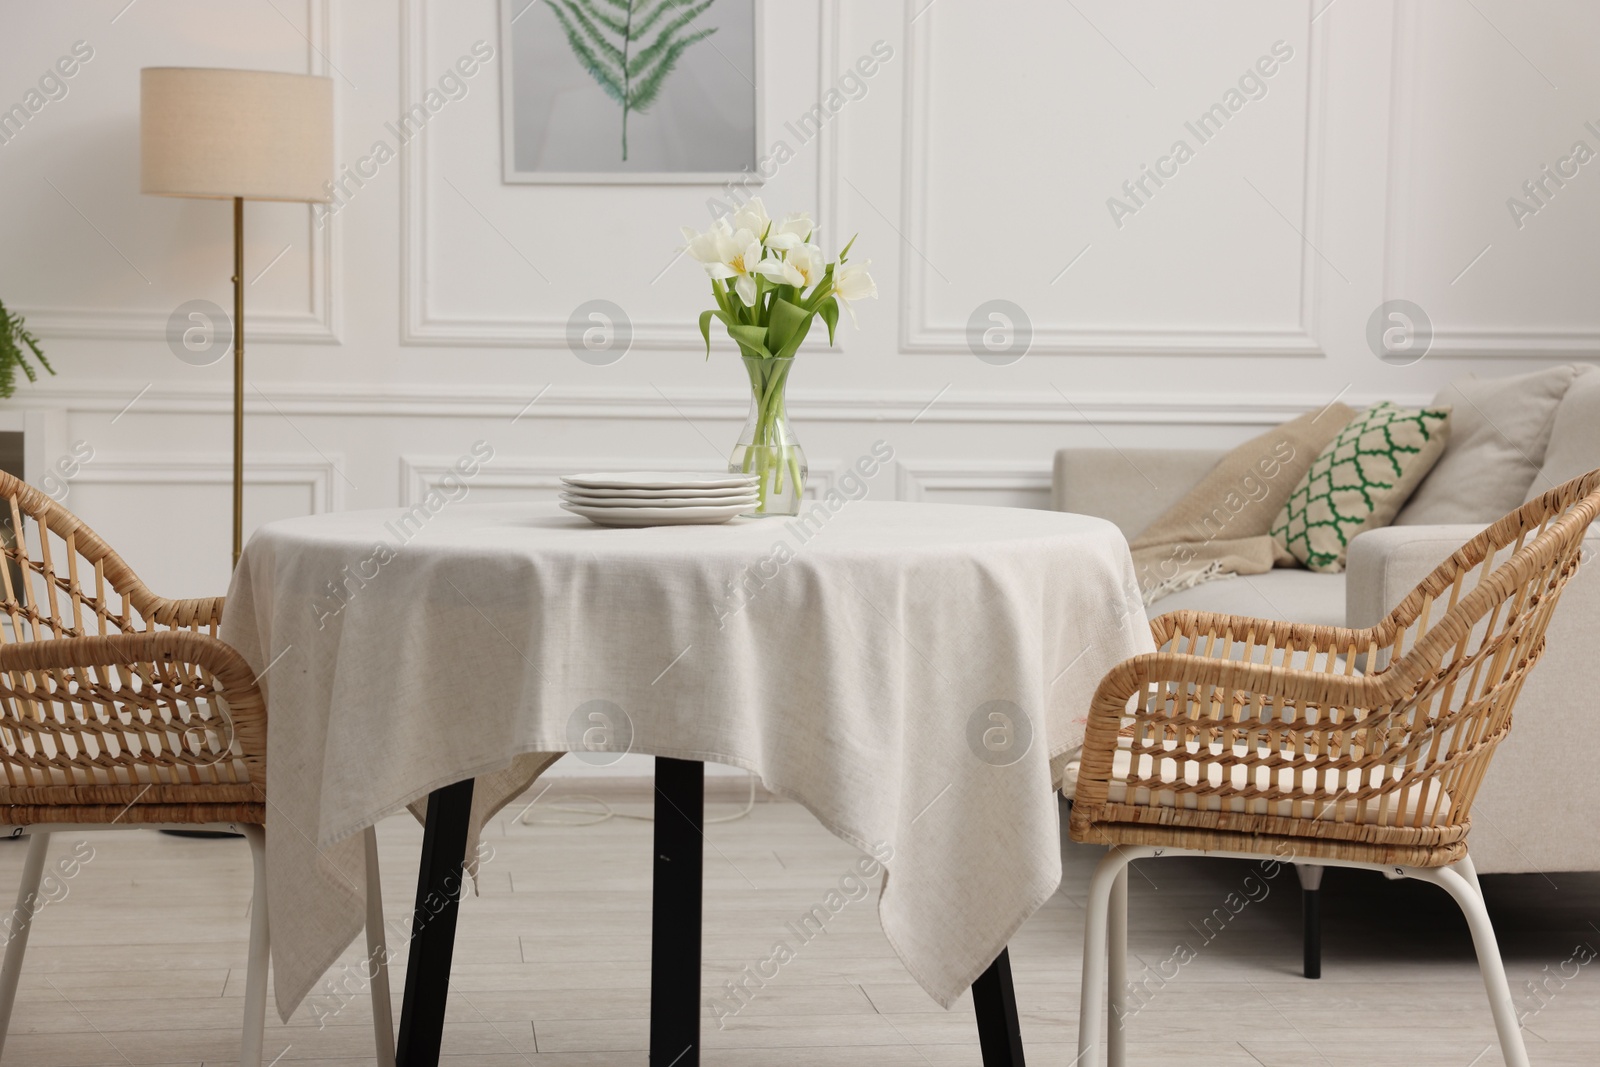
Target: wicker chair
(1323,745)
(121,709)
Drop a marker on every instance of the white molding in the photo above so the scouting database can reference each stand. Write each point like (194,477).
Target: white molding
(914,478)
(1492,342)
(418,326)
(44,438)
(320,325)
(419,474)
(854,406)
(918,335)
(829,31)
(319,475)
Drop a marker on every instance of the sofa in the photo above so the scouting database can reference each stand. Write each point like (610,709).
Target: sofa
(1511,439)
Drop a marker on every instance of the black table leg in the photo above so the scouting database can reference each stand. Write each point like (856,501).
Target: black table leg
(995,1001)
(675,914)
(433,925)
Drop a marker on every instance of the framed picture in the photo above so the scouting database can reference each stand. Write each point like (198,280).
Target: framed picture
(642,91)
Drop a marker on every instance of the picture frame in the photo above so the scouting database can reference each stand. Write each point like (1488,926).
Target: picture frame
(549,98)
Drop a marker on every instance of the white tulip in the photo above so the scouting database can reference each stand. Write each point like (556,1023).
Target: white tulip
(792,232)
(741,266)
(707,247)
(728,254)
(808,262)
(852,282)
(780,271)
(752,216)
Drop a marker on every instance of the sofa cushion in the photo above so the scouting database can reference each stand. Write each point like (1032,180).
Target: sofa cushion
(1498,434)
(1285,595)
(1574,447)
(1359,481)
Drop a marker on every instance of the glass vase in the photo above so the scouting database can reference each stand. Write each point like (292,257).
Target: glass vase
(767,446)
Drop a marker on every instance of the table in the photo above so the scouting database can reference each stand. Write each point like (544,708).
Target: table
(914,674)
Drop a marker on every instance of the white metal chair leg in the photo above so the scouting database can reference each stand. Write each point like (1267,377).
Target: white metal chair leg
(378,957)
(21,923)
(255,982)
(1096,929)
(1464,867)
(1463,887)
(1117,971)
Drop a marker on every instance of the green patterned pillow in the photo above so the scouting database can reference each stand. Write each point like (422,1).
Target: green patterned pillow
(1359,482)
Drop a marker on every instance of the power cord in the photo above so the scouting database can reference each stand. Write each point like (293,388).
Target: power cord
(607,812)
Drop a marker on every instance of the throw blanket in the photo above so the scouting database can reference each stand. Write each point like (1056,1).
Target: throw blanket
(1223,526)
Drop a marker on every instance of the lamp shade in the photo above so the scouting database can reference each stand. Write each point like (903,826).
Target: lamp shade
(256,134)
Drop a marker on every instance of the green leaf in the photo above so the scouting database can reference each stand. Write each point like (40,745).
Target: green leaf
(845,251)
(705,327)
(751,340)
(603,75)
(829,310)
(13,337)
(784,321)
(787,328)
(648,18)
(649,86)
(592,32)
(665,39)
(610,22)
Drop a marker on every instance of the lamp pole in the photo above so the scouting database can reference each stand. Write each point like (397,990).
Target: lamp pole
(238,377)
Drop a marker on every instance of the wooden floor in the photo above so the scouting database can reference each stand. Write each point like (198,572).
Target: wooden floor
(142,961)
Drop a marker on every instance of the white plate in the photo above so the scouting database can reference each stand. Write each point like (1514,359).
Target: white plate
(626,516)
(643,496)
(659,480)
(671,503)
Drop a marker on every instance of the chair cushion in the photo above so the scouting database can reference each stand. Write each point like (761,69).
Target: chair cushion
(1303,778)
(1359,482)
(1500,428)
(1284,595)
(1574,447)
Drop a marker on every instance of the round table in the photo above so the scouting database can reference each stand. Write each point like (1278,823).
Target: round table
(914,674)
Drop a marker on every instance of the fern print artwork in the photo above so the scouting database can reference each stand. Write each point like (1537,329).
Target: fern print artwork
(624,45)
(630,90)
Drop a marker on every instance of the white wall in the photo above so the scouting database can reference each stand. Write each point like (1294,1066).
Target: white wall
(431,309)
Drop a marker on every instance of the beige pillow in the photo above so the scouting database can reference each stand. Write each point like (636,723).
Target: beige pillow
(1221,526)
(1499,428)
(1575,436)
(1359,481)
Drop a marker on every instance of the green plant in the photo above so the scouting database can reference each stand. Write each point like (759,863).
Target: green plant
(611,39)
(14,336)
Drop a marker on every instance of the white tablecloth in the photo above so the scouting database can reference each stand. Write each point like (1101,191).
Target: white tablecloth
(911,673)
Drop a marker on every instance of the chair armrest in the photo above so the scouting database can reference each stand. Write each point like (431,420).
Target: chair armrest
(1194,626)
(1384,565)
(175,668)
(160,647)
(1131,487)
(194,613)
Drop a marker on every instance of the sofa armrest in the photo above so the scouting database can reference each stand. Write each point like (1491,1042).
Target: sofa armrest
(1386,564)
(1131,487)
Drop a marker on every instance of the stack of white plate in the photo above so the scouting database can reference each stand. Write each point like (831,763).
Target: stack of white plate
(659,498)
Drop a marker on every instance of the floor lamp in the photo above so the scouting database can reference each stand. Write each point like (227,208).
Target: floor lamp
(235,135)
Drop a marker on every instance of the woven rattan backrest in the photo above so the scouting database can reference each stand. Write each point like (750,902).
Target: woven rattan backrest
(83,721)
(1457,649)
(1270,724)
(61,579)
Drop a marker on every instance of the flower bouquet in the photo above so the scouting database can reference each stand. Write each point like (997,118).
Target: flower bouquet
(769,283)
